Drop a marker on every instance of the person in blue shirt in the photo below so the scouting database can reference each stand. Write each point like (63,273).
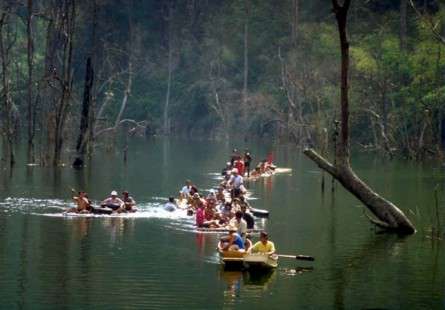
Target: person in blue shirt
(233,242)
(170,205)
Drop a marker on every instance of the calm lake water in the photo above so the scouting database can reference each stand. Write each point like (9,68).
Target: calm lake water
(155,259)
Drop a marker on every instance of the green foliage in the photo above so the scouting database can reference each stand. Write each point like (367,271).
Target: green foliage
(207,43)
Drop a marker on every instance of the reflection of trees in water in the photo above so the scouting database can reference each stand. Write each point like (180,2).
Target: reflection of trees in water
(245,284)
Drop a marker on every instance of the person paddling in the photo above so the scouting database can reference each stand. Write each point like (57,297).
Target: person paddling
(113,202)
(83,204)
(264,245)
(129,202)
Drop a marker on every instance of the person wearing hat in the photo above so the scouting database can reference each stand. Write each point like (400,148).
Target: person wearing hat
(264,245)
(129,202)
(113,202)
(233,242)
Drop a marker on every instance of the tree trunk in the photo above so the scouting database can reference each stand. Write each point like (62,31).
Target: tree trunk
(126,95)
(4,54)
(166,125)
(403,24)
(388,215)
(246,53)
(167,94)
(69,12)
(296,10)
(85,114)
(30,59)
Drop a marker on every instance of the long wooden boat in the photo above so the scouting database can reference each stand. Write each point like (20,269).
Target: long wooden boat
(269,173)
(225,230)
(260,261)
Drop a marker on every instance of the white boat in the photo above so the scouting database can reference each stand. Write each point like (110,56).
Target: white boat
(260,260)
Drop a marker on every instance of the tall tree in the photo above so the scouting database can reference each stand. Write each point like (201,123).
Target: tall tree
(246,52)
(166,120)
(7,98)
(388,215)
(403,24)
(30,97)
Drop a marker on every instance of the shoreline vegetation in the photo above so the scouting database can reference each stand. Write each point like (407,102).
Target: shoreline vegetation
(75,73)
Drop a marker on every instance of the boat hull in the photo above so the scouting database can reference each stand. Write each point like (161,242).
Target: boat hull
(260,261)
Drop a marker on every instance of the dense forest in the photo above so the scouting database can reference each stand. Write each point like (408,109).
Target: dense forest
(76,73)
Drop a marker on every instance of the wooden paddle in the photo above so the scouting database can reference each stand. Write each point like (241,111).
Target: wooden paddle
(299,257)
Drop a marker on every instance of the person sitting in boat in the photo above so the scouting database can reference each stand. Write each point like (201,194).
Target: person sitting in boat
(234,156)
(255,173)
(236,204)
(200,216)
(184,193)
(220,197)
(113,202)
(226,169)
(236,182)
(129,202)
(211,197)
(226,213)
(239,164)
(197,201)
(264,245)
(239,223)
(171,205)
(83,204)
(211,216)
(248,217)
(232,242)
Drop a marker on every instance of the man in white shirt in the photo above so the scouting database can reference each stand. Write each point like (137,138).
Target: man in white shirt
(184,193)
(236,181)
(239,223)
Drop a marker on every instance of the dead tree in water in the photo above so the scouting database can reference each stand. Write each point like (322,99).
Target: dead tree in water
(30,96)
(85,114)
(7,99)
(388,215)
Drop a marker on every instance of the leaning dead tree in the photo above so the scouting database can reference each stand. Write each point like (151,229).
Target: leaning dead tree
(387,214)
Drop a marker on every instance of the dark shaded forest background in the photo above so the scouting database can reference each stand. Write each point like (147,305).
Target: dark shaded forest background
(76,74)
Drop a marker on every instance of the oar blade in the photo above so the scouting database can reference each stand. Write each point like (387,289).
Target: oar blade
(305,257)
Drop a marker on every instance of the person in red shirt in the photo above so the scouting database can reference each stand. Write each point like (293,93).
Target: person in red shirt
(239,164)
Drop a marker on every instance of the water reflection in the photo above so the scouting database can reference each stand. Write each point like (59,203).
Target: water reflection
(117,227)
(245,284)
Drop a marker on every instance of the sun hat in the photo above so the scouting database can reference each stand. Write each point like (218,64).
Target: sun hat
(113,193)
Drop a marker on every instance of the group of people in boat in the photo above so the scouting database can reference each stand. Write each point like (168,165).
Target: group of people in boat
(243,163)
(218,209)
(126,204)
(235,242)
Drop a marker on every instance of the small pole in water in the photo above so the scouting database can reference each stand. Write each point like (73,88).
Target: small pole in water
(334,139)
